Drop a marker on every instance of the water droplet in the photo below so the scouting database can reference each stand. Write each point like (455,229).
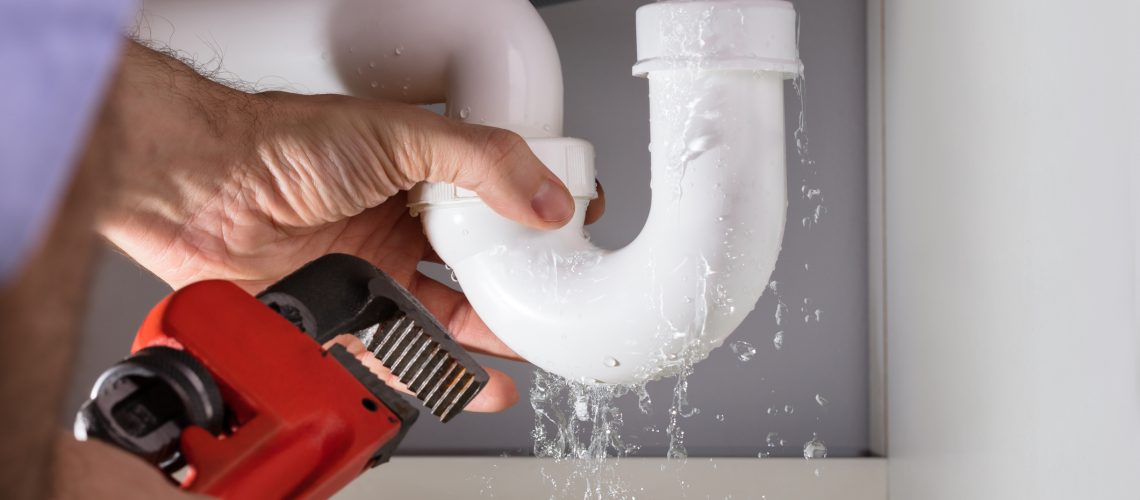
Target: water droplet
(817,472)
(611,362)
(406,87)
(399,50)
(762,454)
(546,127)
(822,401)
(774,286)
(818,315)
(374,84)
(351,49)
(807,266)
(773,439)
(772,410)
(359,70)
(371,64)
(778,340)
(815,448)
(720,417)
(781,308)
(789,409)
(454,278)
(743,350)
(464,113)
(325,55)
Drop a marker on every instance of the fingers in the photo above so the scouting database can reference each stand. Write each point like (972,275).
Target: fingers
(499,394)
(494,163)
(597,206)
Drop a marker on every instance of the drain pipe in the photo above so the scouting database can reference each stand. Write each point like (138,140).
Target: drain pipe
(716,72)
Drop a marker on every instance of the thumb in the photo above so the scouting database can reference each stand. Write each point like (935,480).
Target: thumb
(497,165)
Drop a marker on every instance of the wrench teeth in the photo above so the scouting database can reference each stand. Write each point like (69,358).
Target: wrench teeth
(425,363)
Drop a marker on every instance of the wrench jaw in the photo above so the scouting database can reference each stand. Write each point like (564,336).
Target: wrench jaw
(340,293)
(417,349)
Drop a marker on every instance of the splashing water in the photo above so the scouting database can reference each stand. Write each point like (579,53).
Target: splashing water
(580,422)
(680,409)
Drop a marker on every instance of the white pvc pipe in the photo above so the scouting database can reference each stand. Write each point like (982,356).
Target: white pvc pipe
(493,61)
(684,284)
(712,236)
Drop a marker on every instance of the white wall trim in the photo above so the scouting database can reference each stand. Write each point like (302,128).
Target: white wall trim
(876,224)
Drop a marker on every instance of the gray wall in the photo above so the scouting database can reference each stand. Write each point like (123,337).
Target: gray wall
(608,107)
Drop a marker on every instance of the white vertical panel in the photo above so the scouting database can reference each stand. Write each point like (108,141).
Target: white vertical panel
(1010,240)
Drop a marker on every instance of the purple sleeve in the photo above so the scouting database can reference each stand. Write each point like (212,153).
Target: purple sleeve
(55,59)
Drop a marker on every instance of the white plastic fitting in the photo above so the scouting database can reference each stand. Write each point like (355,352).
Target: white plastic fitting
(716,71)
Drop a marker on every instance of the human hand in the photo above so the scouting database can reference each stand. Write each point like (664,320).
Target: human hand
(212,183)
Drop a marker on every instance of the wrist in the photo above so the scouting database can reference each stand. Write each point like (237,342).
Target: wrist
(173,140)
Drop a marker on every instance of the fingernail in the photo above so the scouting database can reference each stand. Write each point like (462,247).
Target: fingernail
(552,203)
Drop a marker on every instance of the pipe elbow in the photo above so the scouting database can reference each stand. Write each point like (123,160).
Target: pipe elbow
(600,316)
(459,53)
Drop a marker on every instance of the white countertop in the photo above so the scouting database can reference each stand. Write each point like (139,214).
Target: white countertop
(649,478)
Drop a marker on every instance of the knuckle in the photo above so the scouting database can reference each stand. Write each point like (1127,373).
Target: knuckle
(503,145)
(501,153)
